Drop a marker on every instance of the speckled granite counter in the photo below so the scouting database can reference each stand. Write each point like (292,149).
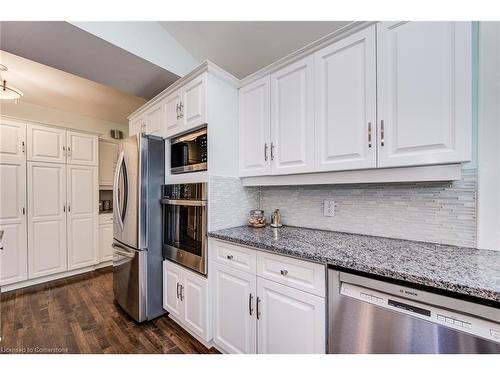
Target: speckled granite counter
(457,269)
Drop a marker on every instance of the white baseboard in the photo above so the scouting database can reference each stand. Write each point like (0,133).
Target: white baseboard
(57,276)
(206,344)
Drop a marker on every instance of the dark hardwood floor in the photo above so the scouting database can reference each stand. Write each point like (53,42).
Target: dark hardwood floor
(78,315)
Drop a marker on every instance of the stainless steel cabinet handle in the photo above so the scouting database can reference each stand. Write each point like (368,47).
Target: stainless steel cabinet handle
(382,140)
(64,150)
(64,208)
(258,312)
(272,151)
(22,145)
(69,151)
(284,272)
(265,151)
(177,110)
(182,292)
(369,135)
(250,298)
(24,210)
(69,207)
(178,285)
(230,257)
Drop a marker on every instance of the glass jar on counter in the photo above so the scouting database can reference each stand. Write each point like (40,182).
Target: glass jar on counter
(257,219)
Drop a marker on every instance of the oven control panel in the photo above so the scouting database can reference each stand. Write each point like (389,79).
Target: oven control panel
(452,319)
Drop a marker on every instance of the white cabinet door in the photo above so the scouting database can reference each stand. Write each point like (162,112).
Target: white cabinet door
(108,156)
(193,107)
(13,219)
(105,242)
(154,120)
(136,126)
(173,121)
(234,310)
(82,148)
(82,217)
(255,128)
(345,101)
(46,144)
(46,218)
(12,141)
(292,118)
(424,92)
(194,296)
(172,282)
(289,320)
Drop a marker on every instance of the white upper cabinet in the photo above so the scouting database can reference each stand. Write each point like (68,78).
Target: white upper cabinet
(12,141)
(136,126)
(292,118)
(345,100)
(46,144)
(193,106)
(82,148)
(108,156)
(424,92)
(155,119)
(173,120)
(255,128)
(82,224)
(46,219)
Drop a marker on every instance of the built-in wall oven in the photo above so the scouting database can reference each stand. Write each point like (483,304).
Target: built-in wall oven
(185,225)
(188,152)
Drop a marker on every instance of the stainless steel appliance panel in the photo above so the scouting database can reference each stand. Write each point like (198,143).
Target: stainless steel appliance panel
(373,316)
(185,225)
(130,279)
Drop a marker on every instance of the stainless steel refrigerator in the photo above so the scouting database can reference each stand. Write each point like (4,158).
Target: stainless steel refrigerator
(137,226)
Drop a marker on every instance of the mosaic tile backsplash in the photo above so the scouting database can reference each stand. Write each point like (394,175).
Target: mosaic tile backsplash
(442,212)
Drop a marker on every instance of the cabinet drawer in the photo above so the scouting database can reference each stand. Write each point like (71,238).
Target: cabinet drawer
(299,274)
(234,256)
(105,218)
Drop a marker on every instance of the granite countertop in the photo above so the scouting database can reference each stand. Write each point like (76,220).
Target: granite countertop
(458,269)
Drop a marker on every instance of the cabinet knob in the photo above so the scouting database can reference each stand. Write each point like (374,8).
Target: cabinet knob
(230,257)
(284,272)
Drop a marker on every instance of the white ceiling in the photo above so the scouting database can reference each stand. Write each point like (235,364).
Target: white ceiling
(243,47)
(46,86)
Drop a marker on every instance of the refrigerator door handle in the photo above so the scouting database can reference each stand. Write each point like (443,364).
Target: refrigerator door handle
(117,203)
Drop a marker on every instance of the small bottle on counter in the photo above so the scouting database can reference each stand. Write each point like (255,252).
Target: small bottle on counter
(276,219)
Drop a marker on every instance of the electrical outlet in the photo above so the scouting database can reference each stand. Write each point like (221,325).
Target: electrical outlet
(328,207)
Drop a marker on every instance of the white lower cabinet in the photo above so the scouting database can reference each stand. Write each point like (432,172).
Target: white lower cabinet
(234,296)
(105,237)
(289,320)
(185,297)
(254,314)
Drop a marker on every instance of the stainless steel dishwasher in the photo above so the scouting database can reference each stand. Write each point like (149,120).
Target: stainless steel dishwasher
(368,315)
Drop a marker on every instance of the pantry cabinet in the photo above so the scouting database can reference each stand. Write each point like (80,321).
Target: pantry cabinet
(395,94)
(424,92)
(255,128)
(185,297)
(82,148)
(82,220)
(346,106)
(266,303)
(234,298)
(46,218)
(46,144)
(292,118)
(13,257)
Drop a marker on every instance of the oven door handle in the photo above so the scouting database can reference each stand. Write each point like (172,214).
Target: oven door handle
(183,202)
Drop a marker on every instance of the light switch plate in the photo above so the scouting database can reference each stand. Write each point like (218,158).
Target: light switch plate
(328,207)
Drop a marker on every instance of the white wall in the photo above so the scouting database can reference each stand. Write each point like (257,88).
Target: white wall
(51,116)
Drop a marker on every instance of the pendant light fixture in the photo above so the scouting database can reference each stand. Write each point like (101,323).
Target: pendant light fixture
(8,92)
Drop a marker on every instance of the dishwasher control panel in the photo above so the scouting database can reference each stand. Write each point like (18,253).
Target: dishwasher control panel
(449,318)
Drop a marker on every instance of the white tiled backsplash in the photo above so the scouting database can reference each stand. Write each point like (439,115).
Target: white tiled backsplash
(442,212)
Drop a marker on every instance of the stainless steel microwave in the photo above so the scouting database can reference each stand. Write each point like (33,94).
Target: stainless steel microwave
(188,152)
